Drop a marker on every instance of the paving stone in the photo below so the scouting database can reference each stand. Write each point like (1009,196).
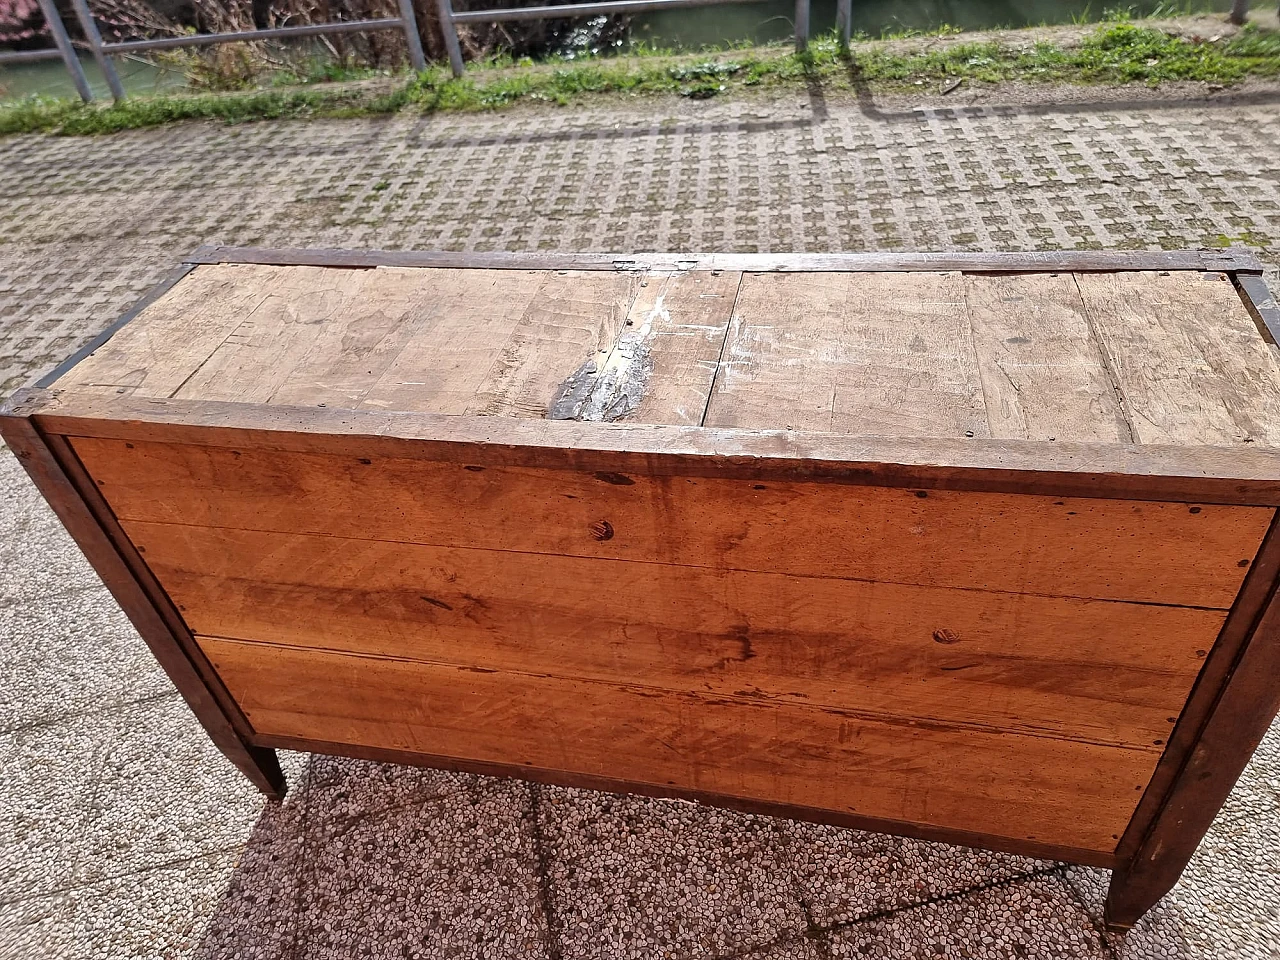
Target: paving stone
(71,654)
(637,877)
(157,914)
(37,556)
(844,875)
(49,778)
(257,916)
(27,928)
(1227,903)
(167,794)
(343,787)
(452,876)
(1031,918)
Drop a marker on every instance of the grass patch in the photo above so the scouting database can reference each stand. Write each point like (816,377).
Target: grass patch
(1116,53)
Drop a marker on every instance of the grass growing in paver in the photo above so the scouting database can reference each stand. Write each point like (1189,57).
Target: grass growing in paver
(1115,53)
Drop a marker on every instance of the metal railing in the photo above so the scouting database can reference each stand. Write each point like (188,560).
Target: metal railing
(102,51)
(62,49)
(449,19)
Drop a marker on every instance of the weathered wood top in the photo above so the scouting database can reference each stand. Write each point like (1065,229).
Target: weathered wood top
(1125,357)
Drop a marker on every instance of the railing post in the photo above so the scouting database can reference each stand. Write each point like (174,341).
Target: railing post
(802,25)
(416,59)
(844,21)
(63,43)
(449,31)
(91,34)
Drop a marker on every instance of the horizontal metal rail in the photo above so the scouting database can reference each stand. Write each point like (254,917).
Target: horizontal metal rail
(449,20)
(63,50)
(249,36)
(27,56)
(507,14)
(103,51)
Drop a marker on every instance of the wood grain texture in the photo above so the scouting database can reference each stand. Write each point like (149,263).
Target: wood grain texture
(1085,670)
(877,262)
(1096,549)
(663,362)
(765,808)
(1043,373)
(1240,716)
(1243,475)
(501,343)
(876,354)
(1054,791)
(1188,359)
(156,353)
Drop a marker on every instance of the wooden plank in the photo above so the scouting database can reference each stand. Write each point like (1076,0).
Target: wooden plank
(155,354)
(1261,304)
(54,470)
(1197,475)
(1053,791)
(501,343)
(266,343)
(352,326)
(1020,262)
(615,784)
(661,367)
(1043,373)
(151,296)
(1096,549)
(1248,607)
(1092,671)
(874,354)
(1188,359)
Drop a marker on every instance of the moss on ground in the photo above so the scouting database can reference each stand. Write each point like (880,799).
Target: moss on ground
(1115,53)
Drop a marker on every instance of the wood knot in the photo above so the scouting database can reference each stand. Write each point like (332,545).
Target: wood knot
(602,530)
(946,636)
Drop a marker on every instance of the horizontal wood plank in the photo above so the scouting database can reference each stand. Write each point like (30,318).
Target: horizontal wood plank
(877,262)
(873,354)
(1190,363)
(1052,791)
(1043,374)
(1097,549)
(161,348)
(1246,475)
(1087,670)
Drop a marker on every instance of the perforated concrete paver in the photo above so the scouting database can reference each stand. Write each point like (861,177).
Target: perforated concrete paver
(123,833)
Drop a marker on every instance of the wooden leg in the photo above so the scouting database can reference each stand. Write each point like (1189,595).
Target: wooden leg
(262,767)
(1242,703)
(1129,898)
(55,469)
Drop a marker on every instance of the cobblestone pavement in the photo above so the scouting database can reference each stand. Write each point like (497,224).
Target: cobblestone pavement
(122,831)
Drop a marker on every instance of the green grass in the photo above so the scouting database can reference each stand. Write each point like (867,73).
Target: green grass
(1116,53)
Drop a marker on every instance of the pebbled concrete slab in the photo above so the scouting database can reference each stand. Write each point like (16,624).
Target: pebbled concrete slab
(71,653)
(124,833)
(631,877)
(459,868)
(37,557)
(848,875)
(1022,918)
(49,775)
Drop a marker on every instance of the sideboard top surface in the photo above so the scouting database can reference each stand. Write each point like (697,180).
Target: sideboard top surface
(1129,356)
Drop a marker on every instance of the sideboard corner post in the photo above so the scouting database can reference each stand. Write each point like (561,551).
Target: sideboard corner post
(1244,703)
(55,470)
